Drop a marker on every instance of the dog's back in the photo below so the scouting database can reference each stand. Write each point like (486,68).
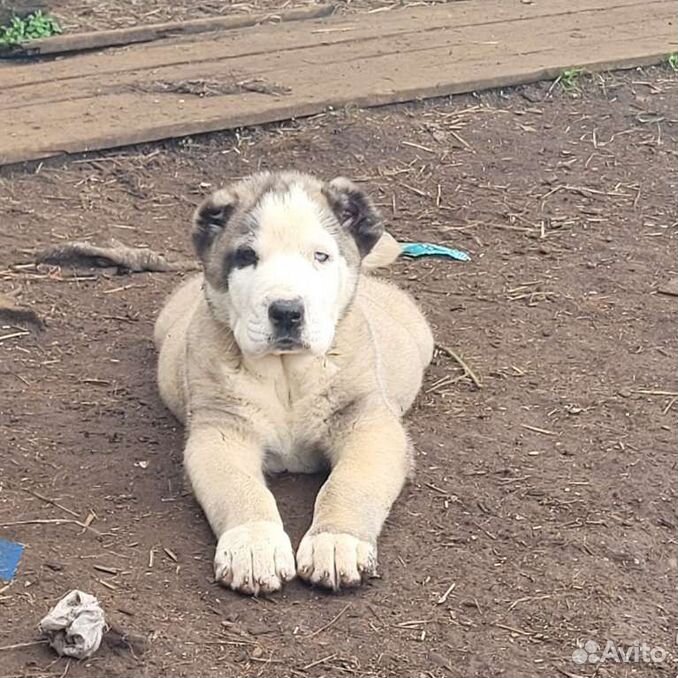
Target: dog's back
(401,337)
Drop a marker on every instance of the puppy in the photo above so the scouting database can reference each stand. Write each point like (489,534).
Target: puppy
(286,356)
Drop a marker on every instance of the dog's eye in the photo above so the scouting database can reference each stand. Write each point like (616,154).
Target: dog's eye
(244,257)
(321,257)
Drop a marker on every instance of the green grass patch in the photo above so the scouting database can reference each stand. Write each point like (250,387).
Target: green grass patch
(673,61)
(32,27)
(569,79)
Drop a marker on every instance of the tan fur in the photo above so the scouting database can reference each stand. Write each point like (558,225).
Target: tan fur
(299,413)
(385,252)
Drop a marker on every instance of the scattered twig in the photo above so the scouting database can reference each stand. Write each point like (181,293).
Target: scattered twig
(419,146)
(447,380)
(487,532)
(170,554)
(582,190)
(445,595)
(546,596)
(108,585)
(122,288)
(18,646)
(461,140)
(329,623)
(513,629)
(418,191)
(13,335)
(106,569)
(437,489)
(669,394)
(47,500)
(464,365)
(412,623)
(319,661)
(536,429)
(53,521)
(669,405)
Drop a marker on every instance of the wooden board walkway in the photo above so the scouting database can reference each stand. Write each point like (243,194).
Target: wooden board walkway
(232,78)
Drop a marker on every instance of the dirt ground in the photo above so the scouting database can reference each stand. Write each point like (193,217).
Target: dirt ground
(542,514)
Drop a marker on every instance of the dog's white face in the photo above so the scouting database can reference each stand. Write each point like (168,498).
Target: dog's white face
(290,283)
(282,254)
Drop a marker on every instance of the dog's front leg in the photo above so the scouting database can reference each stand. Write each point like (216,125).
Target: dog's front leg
(369,470)
(253,552)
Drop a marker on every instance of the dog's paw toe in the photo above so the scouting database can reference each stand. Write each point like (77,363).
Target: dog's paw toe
(335,561)
(254,558)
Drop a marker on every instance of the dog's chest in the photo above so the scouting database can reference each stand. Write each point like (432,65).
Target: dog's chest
(291,397)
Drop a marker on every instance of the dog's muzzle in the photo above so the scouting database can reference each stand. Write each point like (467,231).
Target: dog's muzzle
(287,320)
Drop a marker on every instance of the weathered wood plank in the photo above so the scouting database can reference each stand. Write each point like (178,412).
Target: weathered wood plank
(100,101)
(75,42)
(495,15)
(275,69)
(265,74)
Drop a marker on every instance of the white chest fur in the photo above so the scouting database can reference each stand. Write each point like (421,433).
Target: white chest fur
(290,395)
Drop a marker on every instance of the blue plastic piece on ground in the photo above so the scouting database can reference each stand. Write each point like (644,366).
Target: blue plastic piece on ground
(426,249)
(10,555)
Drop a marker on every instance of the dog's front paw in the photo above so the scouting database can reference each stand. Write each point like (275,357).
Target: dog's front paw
(335,560)
(254,558)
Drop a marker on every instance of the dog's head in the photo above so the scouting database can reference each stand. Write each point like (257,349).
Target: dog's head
(281,253)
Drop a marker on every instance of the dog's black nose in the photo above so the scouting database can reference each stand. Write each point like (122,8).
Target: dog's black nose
(286,315)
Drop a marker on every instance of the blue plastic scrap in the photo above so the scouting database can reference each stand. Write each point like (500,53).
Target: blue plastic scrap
(427,249)
(10,555)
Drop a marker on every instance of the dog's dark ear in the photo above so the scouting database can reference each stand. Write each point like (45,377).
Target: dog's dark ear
(355,212)
(211,218)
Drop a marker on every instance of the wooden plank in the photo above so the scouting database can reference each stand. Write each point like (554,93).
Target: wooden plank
(272,74)
(500,15)
(471,41)
(106,100)
(64,44)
